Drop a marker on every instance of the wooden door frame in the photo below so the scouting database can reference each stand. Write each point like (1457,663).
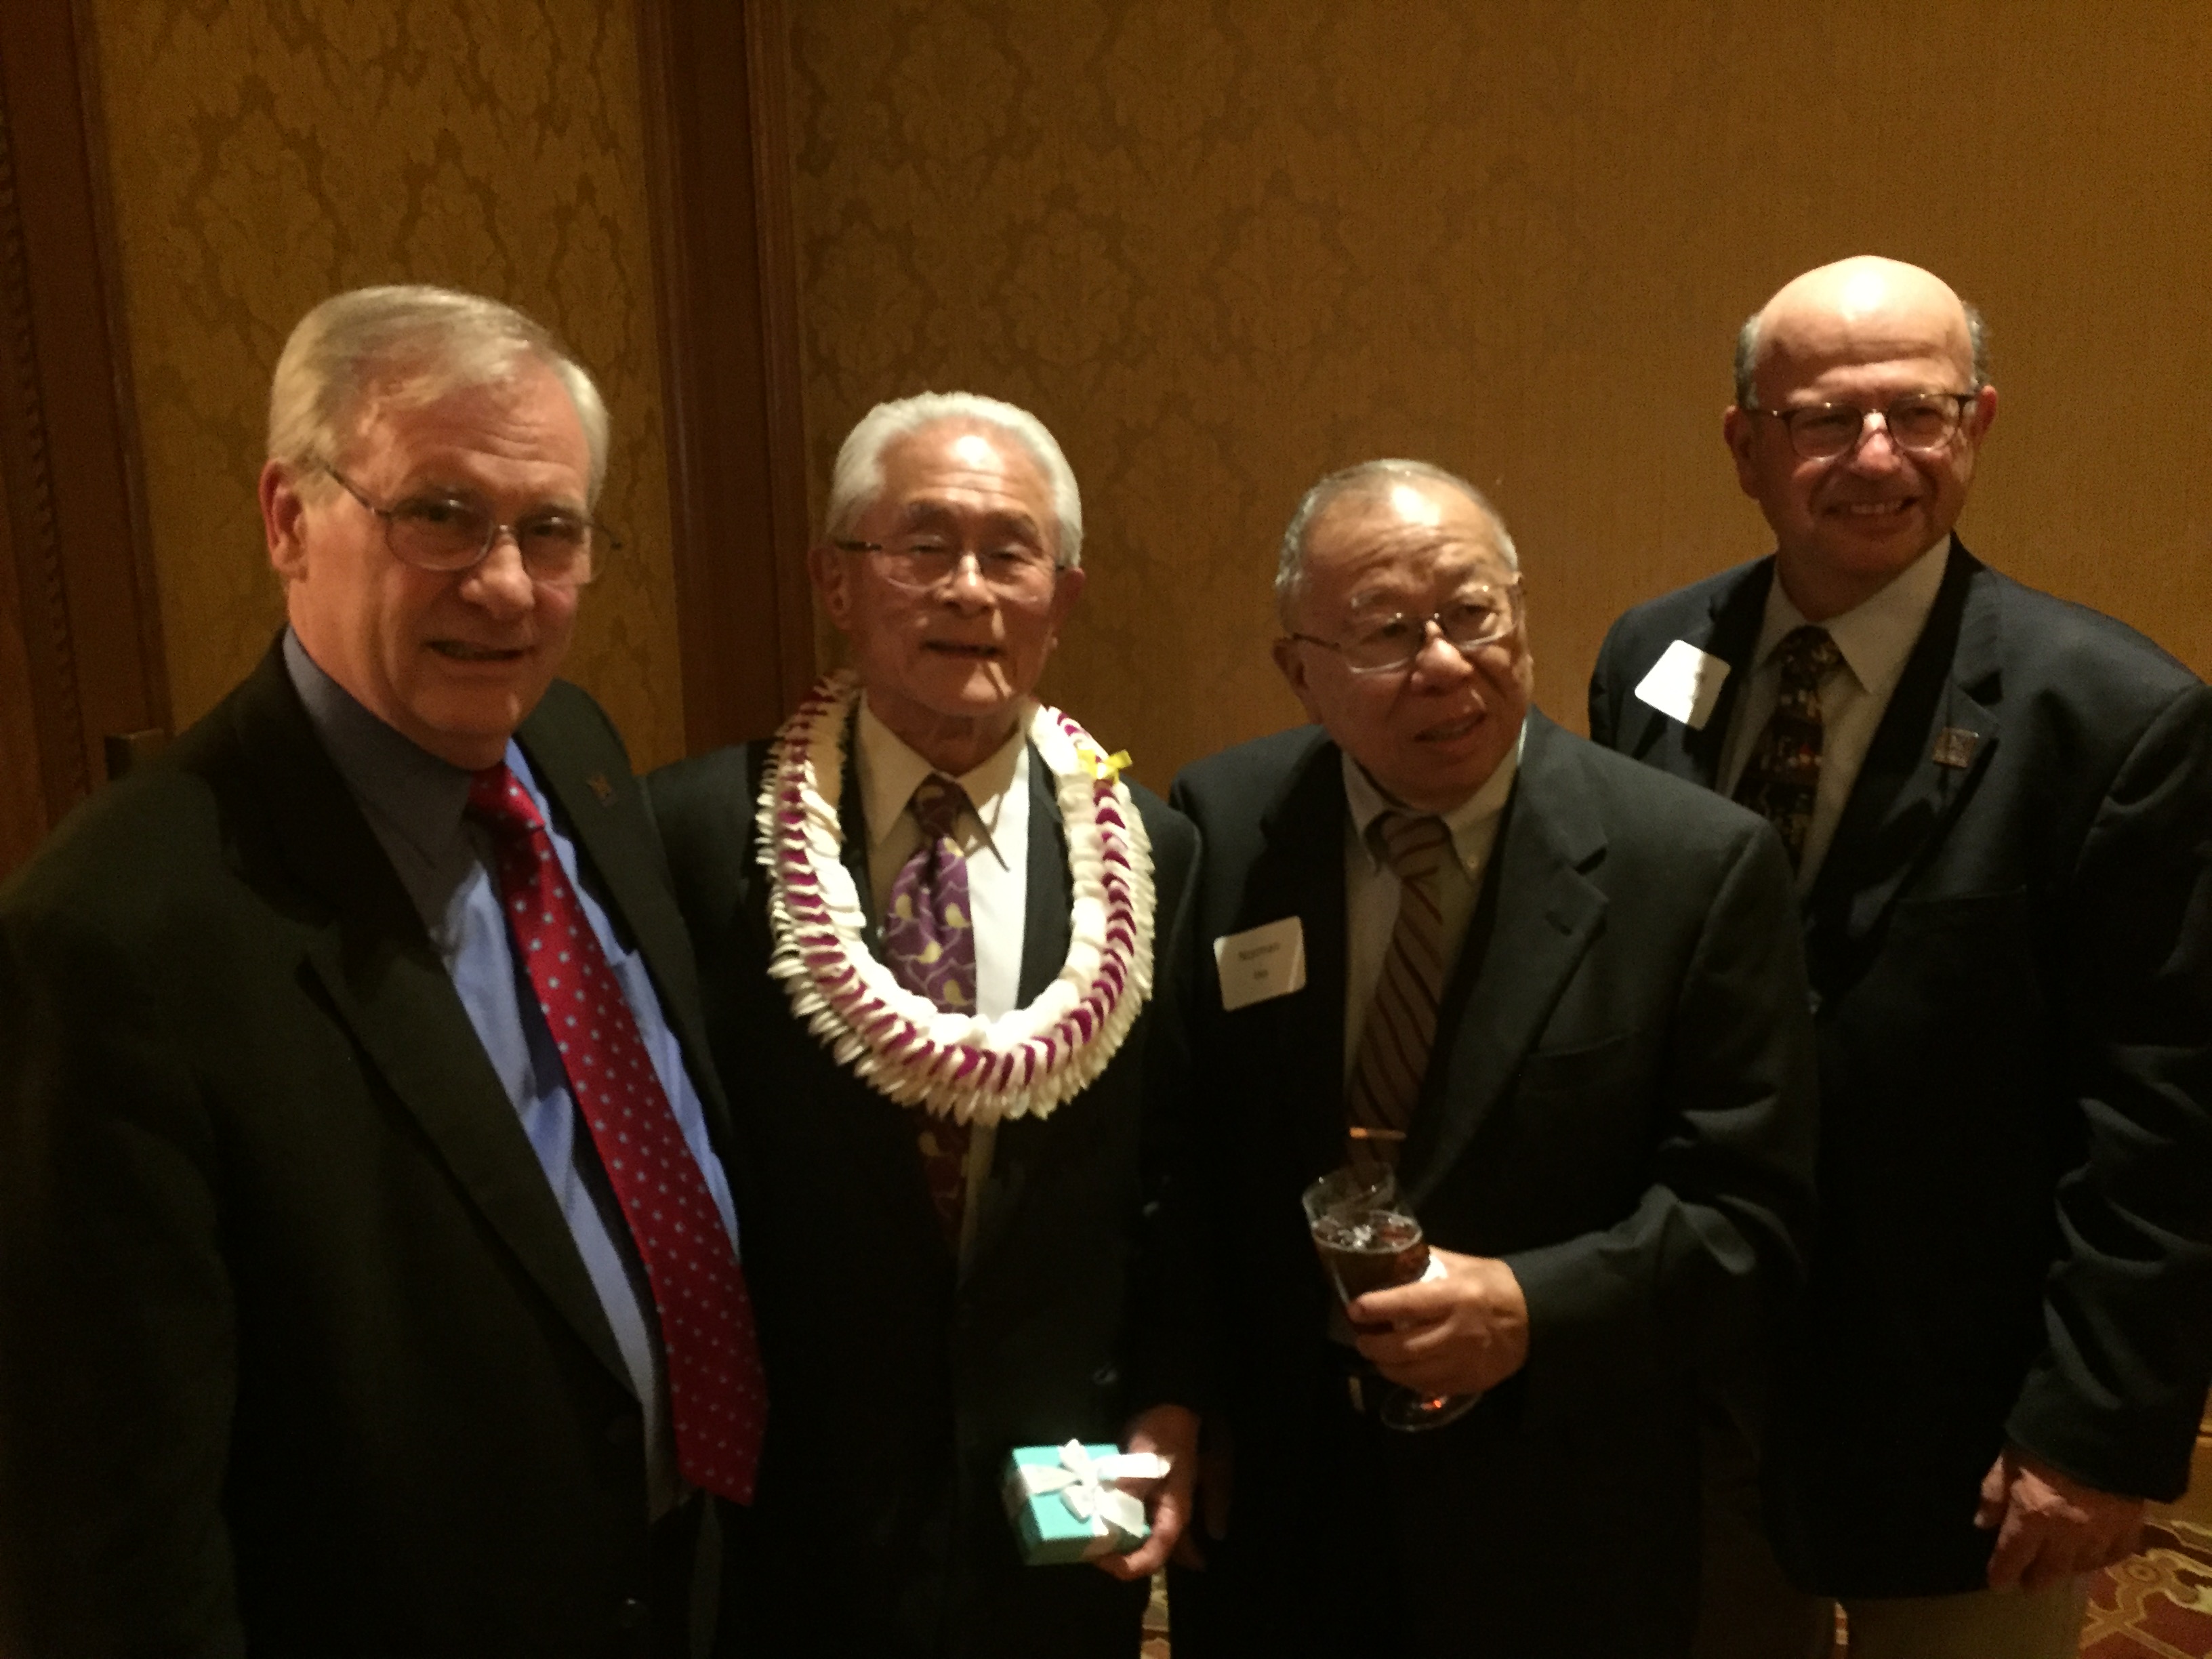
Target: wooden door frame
(78,597)
(712,83)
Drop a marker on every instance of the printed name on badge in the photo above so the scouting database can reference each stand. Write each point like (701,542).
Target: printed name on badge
(1684,684)
(1260,962)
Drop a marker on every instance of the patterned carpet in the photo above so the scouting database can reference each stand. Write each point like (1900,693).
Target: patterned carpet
(2157,1605)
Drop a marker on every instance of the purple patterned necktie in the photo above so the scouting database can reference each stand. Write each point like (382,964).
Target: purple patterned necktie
(929,944)
(1782,779)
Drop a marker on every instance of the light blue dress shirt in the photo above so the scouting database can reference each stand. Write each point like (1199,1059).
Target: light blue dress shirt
(416,804)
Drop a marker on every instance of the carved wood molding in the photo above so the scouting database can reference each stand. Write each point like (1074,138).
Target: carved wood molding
(58,710)
(85,622)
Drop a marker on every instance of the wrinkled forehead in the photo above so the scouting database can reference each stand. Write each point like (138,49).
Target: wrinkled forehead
(1922,339)
(1406,542)
(963,460)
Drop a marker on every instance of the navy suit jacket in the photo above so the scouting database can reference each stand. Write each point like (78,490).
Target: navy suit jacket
(1619,1103)
(901,1381)
(297,1354)
(2010,942)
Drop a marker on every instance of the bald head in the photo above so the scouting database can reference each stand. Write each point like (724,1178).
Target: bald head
(1852,307)
(1861,406)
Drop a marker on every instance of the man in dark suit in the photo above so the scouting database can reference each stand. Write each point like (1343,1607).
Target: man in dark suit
(328,1323)
(1571,1002)
(1997,804)
(926,919)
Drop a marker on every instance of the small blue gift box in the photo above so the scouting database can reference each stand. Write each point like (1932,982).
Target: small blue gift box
(1067,1505)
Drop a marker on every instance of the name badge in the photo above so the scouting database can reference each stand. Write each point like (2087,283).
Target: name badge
(1260,962)
(1684,684)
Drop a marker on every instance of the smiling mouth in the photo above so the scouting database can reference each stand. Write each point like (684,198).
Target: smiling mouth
(462,651)
(1875,509)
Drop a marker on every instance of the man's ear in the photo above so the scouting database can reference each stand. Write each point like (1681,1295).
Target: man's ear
(1292,663)
(1740,430)
(832,585)
(1067,589)
(282,520)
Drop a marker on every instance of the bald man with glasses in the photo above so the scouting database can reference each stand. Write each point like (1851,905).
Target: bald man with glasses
(1997,806)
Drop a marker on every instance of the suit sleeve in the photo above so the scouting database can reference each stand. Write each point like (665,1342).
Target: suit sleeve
(1603,704)
(1167,1358)
(2116,1396)
(118,1362)
(1696,1278)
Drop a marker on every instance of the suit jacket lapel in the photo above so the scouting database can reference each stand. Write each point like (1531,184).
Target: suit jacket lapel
(1904,795)
(1730,630)
(603,811)
(1543,911)
(1048,896)
(1300,872)
(386,983)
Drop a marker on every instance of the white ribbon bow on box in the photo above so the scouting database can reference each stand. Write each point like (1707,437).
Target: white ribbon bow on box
(1085,1485)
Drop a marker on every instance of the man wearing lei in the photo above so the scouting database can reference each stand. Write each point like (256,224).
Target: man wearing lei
(927,915)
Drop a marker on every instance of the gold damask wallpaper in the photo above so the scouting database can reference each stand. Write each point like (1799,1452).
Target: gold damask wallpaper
(267,153)
(1222,247)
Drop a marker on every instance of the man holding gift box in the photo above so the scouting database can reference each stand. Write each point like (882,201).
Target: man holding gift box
(1566,998)
(927,915)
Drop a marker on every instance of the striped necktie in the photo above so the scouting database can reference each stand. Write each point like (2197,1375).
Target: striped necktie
(1401,1022)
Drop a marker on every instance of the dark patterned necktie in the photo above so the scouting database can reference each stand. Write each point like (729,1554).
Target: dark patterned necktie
(717,1394)
(929,944)
(1401,1021)
(1783,775)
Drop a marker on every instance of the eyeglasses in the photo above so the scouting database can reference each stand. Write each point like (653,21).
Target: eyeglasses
(449,533)
(1921,423)
(922,563)
(1386,645)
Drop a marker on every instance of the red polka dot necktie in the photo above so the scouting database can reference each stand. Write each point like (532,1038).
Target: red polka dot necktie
(717,1393)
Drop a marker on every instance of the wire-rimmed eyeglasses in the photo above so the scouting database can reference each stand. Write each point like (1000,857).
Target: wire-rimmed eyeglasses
(1921,423)
(1383,645)
(923,564)
(449,533)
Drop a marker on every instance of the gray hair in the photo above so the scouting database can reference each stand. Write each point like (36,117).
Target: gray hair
(1368,478)
(407,344)
(1746,353)
(858,477)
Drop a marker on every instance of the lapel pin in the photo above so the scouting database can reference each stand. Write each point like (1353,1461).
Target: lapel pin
(597,784)
(1956,746)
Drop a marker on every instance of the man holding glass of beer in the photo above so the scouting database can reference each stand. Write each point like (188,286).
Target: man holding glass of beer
(1548,1018)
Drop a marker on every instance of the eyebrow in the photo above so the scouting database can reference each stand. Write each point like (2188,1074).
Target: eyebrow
(926,514)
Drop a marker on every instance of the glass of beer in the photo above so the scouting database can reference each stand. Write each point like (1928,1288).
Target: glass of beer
(1367,1244)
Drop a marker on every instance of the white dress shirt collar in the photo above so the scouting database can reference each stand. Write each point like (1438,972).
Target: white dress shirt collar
(890,770)
(1875,636)
(1472,822)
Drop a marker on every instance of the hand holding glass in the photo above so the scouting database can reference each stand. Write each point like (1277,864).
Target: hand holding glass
(1366,1244)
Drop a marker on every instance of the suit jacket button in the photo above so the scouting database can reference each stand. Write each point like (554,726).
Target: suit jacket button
(631,1614)
(1107,1376)
(1813,1001)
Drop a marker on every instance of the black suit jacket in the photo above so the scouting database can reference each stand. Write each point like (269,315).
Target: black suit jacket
(901,1386)
(298,1352)
(1619,1103)
(2013,959)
